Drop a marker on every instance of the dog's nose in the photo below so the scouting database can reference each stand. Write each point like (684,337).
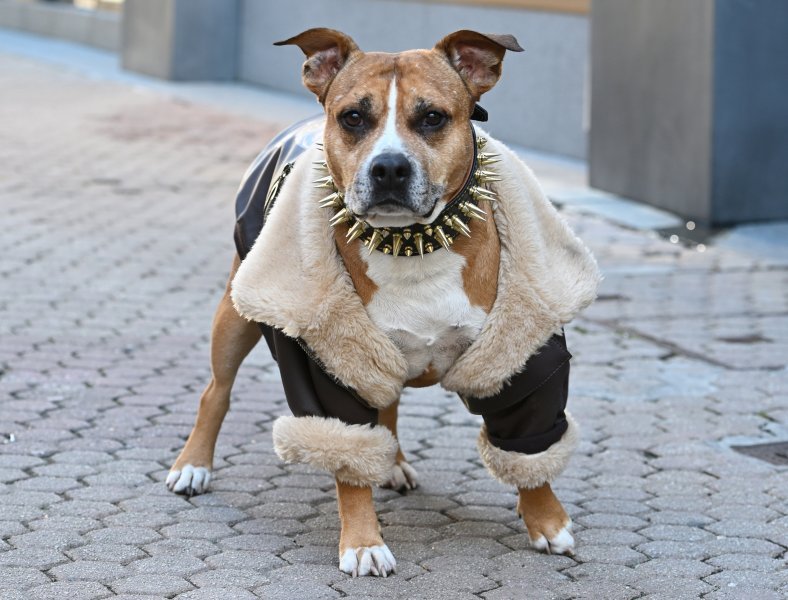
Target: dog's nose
(390,172)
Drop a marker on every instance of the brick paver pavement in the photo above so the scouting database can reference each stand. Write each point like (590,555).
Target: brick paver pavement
(116,209)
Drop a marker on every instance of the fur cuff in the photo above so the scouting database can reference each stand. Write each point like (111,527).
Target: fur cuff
(529,470)
(356,454)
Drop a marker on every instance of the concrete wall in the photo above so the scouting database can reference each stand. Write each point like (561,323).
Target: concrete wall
(688,106)
(93,28)
(651,107)
(181,39)
(539,101)
(750,167)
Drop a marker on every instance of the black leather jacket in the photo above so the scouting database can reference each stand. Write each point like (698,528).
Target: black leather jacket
(526,416)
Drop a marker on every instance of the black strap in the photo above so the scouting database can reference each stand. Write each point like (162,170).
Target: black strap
(479,114)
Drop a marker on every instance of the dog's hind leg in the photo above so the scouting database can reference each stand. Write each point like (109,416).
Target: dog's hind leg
(361,547)
(232,338)
(403,476)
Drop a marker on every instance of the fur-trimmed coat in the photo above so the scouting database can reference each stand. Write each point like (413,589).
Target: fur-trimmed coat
(294,280)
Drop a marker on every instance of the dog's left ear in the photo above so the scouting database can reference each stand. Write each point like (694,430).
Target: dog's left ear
(477,57)
(327,51)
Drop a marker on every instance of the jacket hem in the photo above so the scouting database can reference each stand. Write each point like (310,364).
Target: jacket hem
(529,470)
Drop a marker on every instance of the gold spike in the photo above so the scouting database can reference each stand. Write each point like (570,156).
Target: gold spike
(419,239)
(444,240)
(408,251)
(480,193)
(428,231)
(374,240)
(342,216)
(486,176)
(397,244)
(481,143)
(406,234)
(355,231)
(429,248)
(473,211)
(320,164)
(458,225)
(386,249)
(488,158)
(333,200)
(324,182)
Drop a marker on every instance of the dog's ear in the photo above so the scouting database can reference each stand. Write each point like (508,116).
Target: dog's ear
(327,51)
(477,57)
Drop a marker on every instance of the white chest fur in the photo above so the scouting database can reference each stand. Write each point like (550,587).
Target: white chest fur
(423,308)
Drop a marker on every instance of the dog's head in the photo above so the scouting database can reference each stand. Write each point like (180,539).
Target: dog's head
(398,137)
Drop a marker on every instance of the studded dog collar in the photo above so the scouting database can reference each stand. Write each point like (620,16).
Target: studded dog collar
(418,238)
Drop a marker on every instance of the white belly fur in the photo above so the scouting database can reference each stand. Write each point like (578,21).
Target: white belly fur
(422,306)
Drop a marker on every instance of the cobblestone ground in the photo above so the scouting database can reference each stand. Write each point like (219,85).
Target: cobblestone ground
(116,238)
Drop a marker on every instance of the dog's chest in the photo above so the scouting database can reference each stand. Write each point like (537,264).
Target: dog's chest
(422,306)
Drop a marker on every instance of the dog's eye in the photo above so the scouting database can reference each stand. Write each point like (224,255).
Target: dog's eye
(352,119)
(434,119)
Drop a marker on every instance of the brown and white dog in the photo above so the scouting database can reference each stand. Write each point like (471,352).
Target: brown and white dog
(396,141)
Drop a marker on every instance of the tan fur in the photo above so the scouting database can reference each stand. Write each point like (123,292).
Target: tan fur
(355,265)
(542,512)
(422,76)
(388,418)
(357,516)
(482,252)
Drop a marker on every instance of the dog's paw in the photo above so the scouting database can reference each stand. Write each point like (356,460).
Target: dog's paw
(368,560)
(561,543)
(403,477)
(189,481)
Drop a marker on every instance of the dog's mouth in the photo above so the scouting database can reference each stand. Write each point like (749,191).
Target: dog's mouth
(395,214)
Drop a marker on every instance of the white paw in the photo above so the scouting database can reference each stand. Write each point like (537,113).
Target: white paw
(190,480)
(561,543)
(403,477)
(374,560)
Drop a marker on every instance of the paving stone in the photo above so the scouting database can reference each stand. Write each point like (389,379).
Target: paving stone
(218,593)
(120,553)
(674,587)
(89,570)
(674,567)
(14,578)
(41,558)
(55,539)
(240,559)
(744,578)
(78,590)
(151,584)
(123,535)
(241,578)
(198,530)
(747,562)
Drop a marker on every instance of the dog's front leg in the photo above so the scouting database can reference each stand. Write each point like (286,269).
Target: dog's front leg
(232,338)
(361,547)
(549,527)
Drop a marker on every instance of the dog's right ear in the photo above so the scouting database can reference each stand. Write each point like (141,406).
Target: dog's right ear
(327,51)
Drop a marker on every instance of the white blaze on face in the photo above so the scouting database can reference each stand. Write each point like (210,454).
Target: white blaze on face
(389,140)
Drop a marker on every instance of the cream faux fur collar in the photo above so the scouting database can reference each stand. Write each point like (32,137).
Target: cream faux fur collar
(294,279)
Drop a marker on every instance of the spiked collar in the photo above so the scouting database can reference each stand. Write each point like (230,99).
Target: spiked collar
(418,239)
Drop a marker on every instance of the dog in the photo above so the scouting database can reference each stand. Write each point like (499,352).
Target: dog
(392,243)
